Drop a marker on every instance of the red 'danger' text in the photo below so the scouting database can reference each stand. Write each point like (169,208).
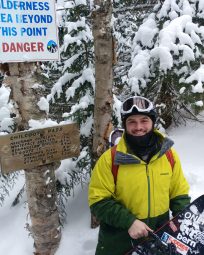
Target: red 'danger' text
(23,47)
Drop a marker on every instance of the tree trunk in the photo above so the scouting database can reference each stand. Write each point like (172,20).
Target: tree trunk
(41,194)
(40,181)
(103,48)
(102,33)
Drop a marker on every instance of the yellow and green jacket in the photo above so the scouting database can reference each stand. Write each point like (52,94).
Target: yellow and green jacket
(142,191)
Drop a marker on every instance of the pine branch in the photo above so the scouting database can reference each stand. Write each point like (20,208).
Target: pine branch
(183,106)
(19,196)
(141,7)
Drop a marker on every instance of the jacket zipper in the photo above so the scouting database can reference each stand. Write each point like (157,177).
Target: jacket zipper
(148,185)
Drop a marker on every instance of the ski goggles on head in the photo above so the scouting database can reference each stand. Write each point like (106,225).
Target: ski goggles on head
(142,104)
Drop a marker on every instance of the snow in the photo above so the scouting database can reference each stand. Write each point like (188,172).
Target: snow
(146,32)
(77,236)
(43,104)
(5,108)
(198,76)
(139,70)
(170,38)
(87,75)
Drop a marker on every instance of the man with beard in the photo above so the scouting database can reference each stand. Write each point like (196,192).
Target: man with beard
(147,186)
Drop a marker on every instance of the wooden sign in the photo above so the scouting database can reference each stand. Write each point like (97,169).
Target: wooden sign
(25,150)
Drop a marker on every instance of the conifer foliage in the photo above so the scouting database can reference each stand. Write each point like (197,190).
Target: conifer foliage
(167,55)
(71,97)
(7,126)
(128,16)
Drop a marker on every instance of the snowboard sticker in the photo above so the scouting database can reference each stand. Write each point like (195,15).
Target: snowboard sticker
(180,247)
(182,235)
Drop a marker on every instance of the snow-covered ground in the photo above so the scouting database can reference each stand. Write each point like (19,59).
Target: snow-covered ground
(77,236)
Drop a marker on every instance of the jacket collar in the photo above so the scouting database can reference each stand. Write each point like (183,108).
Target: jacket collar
(123,157)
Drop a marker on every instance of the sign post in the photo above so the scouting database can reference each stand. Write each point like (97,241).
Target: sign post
(35,151)
(28,31)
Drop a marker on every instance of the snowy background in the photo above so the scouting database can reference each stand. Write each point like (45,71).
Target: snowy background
(153,53)
(77,236)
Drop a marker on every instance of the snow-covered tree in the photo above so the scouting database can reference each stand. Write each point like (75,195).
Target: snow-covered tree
(167,59)
(71,96)
(6,126)
(127,16)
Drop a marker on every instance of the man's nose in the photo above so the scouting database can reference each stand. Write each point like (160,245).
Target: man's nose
(138,126)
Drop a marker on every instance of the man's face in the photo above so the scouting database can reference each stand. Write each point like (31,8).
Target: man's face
(138,125)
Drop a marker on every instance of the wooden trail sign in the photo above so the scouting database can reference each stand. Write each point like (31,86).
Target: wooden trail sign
(28,149)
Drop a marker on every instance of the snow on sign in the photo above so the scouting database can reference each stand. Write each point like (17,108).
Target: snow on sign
(27,149)
(28,31)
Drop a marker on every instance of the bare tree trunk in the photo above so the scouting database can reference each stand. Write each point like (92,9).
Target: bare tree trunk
(40,182)
(102,33)
(41,194)
(103,42)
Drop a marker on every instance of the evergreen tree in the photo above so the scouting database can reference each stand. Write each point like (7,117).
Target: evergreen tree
(167,60)
(72,94)
(127,16)
(6,126)
(69,92)
(125,26)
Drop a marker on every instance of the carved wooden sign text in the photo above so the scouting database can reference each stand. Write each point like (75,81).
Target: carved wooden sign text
(27,149)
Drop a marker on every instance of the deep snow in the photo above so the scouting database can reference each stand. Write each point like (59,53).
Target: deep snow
(77,236)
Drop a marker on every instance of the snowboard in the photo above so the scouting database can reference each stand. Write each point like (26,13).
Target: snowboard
(182,235)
